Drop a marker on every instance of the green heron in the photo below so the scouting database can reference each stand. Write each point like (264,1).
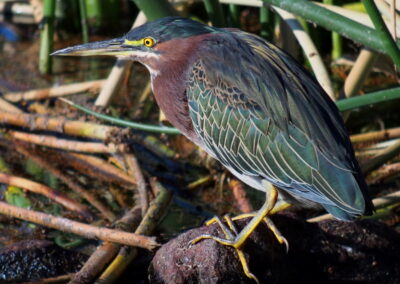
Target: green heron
(252,107)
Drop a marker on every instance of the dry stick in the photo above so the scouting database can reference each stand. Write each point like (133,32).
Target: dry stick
(105,252)
(376,135)
(140,105)
(384,173)
(200,182)
(81,229)
(393,14)
(388,10)
(359,72)
(37,9)
(380,158)
(104,167)
(378,203)
(135,170)
(96,168)
(102,256)
(48,165)
(50,193)
(71,89)
(64,144)
(6,106)
(119,196)
(240,195)
(126,255)
(310,51)
(112,84)
(370,151)
(70,127)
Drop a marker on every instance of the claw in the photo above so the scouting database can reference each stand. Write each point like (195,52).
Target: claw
(239,252)
(245,266)
(280,238)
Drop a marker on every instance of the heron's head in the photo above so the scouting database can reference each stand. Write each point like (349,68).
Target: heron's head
(162,40)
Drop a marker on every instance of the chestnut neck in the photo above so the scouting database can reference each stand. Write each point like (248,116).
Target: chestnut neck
(169,80)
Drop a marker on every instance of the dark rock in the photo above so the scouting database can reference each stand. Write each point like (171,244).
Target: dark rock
(332,251)
(36,259)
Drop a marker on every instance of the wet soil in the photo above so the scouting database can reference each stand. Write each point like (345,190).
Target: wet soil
(37,259)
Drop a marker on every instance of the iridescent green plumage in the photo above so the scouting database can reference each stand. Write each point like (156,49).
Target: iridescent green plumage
(264,117)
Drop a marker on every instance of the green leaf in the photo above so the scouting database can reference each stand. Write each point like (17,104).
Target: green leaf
(16,196)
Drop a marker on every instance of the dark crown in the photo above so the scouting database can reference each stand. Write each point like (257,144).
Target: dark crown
(168,28)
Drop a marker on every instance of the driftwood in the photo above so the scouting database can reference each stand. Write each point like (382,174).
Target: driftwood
(364,251)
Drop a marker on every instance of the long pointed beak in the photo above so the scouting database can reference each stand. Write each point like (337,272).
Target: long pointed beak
(113,47)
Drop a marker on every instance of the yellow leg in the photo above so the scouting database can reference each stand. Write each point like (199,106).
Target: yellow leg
(281,239)
(239,239)
(250,227)
(278,208)
(240,252)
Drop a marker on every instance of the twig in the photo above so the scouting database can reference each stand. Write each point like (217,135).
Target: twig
(384,173)
(135,170)
(310,51)
(113,81)
(64,144)
(156,210)
(37,10)
(390,14)
(50,193)
(375,149)
(139,105)
(119,196)
(104,253)
(96,263)
(359,72)
(84,230)
(70,127)
(91,86)
(157,146)
(103,168)
(376,135)
(48,165)
(9,107)
(381,158)
(378,203)
(200,182)
(393,18)
(153,215)
(240,195)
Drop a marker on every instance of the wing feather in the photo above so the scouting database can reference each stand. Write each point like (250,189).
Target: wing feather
(273,122)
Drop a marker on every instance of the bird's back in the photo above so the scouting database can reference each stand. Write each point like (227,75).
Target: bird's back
(265,117)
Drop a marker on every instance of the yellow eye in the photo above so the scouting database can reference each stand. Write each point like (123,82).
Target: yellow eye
(148,41)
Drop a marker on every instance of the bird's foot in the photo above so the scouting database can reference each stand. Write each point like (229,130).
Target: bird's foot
(237,240)
(231,235)
(279,237)
(280,206)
